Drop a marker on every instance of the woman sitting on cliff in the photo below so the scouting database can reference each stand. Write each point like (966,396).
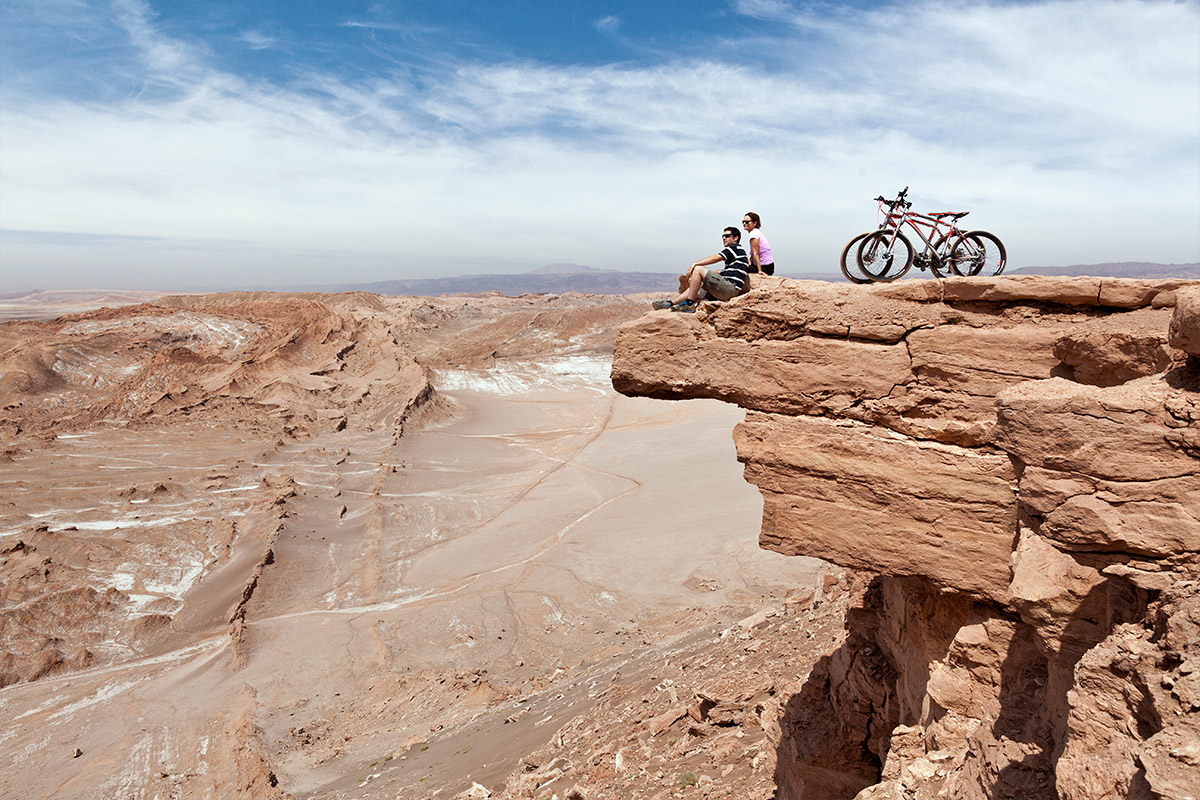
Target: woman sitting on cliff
(762,260)
(718,285)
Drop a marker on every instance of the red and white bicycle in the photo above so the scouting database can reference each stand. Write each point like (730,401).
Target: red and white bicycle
(886,254)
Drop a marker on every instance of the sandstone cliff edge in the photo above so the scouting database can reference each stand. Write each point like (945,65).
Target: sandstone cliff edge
(1013,467)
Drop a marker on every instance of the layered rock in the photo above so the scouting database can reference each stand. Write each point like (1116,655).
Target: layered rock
(1017,461)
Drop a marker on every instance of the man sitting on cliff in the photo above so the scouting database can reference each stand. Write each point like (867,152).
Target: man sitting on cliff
(722,285)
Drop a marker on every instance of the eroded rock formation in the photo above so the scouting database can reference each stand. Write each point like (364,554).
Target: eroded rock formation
(248,372)
(246,551)
(1016,461)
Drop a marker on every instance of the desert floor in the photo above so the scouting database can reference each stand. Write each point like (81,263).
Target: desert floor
(430,606)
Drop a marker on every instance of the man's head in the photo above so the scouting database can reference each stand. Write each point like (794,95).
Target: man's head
(731,236)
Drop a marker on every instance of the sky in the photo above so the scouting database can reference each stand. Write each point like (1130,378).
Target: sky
(147,144)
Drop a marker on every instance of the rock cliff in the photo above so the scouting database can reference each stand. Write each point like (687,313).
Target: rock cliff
(1013,466)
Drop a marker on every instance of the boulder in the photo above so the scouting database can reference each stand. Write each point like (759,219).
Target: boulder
(1185,322)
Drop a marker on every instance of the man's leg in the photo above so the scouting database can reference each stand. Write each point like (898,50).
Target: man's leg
(695,280)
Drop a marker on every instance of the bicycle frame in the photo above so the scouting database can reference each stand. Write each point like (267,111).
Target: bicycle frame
(942,227)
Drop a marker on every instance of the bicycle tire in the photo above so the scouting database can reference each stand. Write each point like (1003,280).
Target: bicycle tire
(851,272)
(878,263)
(978,254)
(938,264)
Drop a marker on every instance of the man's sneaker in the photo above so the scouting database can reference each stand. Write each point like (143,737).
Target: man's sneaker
(664,303)
(687,306)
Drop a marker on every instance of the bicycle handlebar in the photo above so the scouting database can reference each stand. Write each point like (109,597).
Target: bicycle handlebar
(899,201)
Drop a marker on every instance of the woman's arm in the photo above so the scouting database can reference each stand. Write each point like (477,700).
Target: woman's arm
(754,255)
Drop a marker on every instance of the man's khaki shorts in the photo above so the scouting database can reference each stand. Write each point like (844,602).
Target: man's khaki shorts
(718,286)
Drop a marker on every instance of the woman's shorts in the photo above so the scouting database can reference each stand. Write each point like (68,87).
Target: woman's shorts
(718,286)
(768,269)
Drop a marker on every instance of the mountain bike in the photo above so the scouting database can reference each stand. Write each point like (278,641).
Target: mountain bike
(887,254)
(932,259)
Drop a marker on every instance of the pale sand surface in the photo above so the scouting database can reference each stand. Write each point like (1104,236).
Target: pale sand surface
(497,565)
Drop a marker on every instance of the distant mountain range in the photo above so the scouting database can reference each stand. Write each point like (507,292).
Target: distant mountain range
(564,269)
(550,279)
(561,278)
(1118,269)
(543,281)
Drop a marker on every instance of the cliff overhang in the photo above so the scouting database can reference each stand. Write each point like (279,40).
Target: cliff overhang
(1017,460)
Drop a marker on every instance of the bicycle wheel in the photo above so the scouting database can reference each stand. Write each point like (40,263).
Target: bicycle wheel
(977,253)
(941,253)
(879,262)
(850,266)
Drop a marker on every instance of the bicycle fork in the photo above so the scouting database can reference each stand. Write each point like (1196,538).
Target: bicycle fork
(888,253)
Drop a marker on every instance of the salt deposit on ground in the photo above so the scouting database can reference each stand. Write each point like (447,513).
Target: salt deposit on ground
(515,377)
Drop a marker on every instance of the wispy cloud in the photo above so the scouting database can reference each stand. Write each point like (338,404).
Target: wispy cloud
(608,25)
(765,9)
(1061,144)
(257,40)
(162,55)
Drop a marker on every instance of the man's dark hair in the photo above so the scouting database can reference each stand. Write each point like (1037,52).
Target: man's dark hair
(735,233)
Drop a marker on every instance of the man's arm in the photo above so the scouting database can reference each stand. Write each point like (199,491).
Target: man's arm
(704,262)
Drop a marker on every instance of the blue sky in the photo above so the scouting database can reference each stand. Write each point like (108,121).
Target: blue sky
(193,144)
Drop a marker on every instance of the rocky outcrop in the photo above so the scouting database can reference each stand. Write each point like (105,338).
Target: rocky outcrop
(1017,462)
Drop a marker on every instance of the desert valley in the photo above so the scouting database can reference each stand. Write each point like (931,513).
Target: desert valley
(928,539)
(367,546)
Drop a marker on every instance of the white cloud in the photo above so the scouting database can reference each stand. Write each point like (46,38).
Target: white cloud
(765,9)
(608,25)
(256,40)
(1070,129)
(162,55)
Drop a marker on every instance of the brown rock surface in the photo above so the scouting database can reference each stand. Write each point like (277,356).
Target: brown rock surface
(1018,461)
(940,511)
(1185,323)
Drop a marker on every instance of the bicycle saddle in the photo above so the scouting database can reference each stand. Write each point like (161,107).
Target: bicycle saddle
(955,214)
